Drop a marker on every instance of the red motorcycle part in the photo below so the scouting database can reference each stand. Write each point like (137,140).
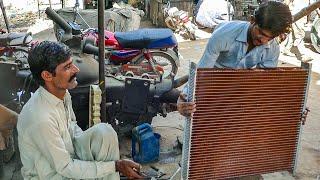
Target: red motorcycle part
(109,40)
(140,69)
(123,56)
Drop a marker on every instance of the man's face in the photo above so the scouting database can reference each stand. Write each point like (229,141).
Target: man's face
(260,36)
(65,75)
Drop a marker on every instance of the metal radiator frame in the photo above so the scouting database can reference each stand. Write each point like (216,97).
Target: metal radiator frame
(306,66)
(188,122)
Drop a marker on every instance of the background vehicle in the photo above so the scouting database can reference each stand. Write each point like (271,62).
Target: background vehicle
(156,47)
(178,20)
(14,47)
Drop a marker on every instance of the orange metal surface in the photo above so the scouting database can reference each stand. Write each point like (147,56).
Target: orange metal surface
(247,121)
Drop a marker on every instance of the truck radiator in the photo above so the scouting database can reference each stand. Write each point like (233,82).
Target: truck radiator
(247,122)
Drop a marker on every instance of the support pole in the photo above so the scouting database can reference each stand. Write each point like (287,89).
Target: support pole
(306,11)
(4,15)
(102,82)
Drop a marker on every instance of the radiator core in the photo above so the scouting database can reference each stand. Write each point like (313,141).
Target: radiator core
(247,122)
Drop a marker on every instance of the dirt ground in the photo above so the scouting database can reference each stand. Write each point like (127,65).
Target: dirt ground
(171,127)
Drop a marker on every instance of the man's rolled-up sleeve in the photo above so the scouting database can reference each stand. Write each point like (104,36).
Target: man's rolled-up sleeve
(51,145)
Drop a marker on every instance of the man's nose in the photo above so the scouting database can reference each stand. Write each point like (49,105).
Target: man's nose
(75,68)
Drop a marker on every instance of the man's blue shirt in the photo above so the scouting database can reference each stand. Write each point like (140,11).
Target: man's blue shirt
(227,48)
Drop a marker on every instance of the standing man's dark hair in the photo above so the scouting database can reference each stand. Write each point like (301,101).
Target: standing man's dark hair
(274,16)
(46,56)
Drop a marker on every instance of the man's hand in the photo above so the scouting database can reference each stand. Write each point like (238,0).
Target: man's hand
(185,108)
(128,168)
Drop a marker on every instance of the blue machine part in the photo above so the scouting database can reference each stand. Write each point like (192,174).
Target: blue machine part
(145,144)
(125,53)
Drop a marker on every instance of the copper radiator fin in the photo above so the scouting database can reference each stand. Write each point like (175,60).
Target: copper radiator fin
(247,121)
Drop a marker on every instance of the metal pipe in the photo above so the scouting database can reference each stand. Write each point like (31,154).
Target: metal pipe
(102,82)
(174,175)
(181,81)
(4,15)
(55,17)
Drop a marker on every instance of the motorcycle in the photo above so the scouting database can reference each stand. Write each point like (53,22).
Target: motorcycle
(131,55)
(157,59)
(178,21)
(131,101)
(14,47)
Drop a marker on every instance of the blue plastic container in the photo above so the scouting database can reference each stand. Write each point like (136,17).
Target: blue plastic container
(145,144)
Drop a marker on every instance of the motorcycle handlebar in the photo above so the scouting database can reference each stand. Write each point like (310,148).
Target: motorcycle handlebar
(90,49)
(181,81)
(59,20)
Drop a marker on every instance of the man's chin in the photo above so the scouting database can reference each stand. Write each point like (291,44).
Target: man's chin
(256,43)
(73,84)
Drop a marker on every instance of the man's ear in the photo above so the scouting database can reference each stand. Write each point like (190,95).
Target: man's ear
(252,19)
(46,76)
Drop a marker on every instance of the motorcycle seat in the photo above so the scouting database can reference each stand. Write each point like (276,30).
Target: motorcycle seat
(146,39)
(15,39)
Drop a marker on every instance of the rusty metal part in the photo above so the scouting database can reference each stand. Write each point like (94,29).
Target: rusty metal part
(247,121)
(305,115)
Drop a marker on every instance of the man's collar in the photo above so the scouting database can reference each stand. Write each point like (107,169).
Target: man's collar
(243,36)
(50,97)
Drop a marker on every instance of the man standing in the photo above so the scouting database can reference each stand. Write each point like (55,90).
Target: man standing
(244,45)
(52,145)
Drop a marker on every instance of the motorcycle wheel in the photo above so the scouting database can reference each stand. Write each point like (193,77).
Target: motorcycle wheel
(164,59)
(20,55)
(315,39)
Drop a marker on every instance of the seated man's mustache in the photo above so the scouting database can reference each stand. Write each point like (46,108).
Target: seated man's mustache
(72,77)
